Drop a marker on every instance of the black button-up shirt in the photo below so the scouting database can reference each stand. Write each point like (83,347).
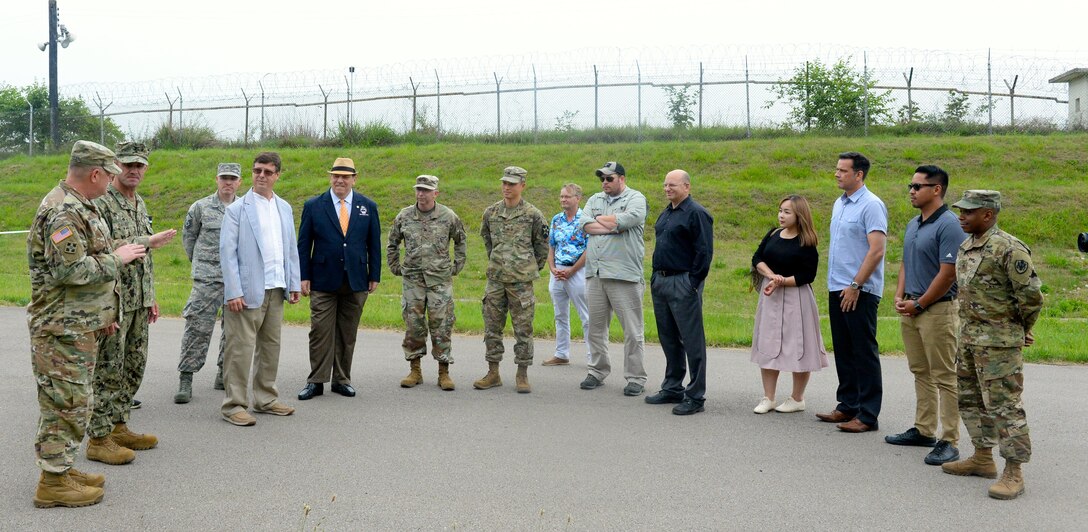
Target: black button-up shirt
(685,240)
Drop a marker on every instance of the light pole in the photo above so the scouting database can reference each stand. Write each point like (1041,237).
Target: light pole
(58,34)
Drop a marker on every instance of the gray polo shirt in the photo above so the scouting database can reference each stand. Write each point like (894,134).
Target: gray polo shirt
(928,244)
(618,255)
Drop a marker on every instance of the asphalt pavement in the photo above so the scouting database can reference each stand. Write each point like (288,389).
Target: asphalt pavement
(558,458)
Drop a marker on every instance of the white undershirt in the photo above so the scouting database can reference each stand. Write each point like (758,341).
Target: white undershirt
(268,218)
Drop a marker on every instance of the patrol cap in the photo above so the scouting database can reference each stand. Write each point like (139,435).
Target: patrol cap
(427,182)
(132,152)
(513,174)
(979,199)
(343,166)
(87,153)
(611,168)
(231,169)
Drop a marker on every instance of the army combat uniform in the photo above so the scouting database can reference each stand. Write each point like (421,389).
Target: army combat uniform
(123,356)
(1000,299)
(201,240)
(427,276)
(72,280)
(516,240)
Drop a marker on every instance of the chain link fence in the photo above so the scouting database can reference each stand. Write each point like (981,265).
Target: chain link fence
(626,95)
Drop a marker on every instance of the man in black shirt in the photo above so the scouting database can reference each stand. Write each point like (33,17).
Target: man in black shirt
(682,254)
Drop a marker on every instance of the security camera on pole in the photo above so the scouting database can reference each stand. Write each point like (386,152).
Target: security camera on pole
(58,34)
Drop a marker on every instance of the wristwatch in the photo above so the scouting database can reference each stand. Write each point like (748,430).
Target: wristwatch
(918,308)
(854,285)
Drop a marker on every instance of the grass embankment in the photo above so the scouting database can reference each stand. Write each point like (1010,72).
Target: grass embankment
(1042,179)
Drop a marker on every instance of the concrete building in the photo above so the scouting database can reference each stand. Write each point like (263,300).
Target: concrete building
(1078,96)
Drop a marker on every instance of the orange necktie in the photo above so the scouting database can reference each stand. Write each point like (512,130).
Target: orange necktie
(343,216)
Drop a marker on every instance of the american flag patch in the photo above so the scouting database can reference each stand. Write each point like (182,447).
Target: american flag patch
(61,234)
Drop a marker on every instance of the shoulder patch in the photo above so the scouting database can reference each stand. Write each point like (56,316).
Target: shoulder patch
(1021,266)
(61,234)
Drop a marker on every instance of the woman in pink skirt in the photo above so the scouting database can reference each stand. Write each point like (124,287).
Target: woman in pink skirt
(787,331)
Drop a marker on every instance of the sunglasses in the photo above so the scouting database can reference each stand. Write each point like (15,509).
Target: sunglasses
(918,186)
(609,178)
(264,171)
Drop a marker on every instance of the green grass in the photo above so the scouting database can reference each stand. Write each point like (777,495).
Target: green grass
(1042,178)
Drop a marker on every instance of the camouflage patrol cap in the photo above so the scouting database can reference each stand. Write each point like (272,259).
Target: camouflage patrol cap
(231,169)
(513,174)
(87,153)
(132,152)
(427,182)
(979,199)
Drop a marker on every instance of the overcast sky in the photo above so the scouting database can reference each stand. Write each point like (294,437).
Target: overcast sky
(122,40)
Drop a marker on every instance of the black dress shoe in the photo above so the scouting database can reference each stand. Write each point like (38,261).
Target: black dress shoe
(941,453)
(312,389)
(343,389)
(911,437)
(663,397)
(688,407)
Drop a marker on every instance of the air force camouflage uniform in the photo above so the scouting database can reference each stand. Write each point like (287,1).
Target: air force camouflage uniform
(72,281)
(427,276)
(201,240)
(999,301)
(122,356)
(516,240)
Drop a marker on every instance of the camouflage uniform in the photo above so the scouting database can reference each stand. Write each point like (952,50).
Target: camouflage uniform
(72,283)
(427,276)
(122,356)
(999,301)
(201,240)
(516,240)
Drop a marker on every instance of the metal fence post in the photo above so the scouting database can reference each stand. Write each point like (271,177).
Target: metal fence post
(325,115)
(639,79)
(101,117)
(865,73)
(30,133)
(747,101)
(595,96)
(700,95)
(438,98)
(245,139)
(989,94)
(170,118)
(536,123)
(1012,100)
(910,101)
(498,106)
(181,107)
(261,84)
(415,94)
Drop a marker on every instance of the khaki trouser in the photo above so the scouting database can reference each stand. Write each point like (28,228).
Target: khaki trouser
(334,327)
(606,296)
(253,343)
(929,340)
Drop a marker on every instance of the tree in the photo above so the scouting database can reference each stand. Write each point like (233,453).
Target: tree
(75,120)
(831,97)
(681,107)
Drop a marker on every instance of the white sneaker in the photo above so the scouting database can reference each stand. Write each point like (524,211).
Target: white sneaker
(789,405)
(765,405)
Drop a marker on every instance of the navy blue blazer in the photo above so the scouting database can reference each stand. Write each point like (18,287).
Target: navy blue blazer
(325,253)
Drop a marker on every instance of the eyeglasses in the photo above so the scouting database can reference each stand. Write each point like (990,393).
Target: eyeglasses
(609,178)
(264,171)
(918,186)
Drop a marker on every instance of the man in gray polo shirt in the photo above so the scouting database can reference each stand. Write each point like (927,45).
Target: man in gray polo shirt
(855,282)
(614,220)
(928,317)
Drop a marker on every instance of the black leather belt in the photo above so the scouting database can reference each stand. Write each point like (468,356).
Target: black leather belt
(668,273)
(941,300)
(564,264)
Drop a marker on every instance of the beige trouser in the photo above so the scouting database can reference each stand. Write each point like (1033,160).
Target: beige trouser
(253,343)
(606,296)
(929,340)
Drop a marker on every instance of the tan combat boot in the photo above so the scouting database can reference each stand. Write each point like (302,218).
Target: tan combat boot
(60,489)
(107,451)
(87,479)
(444,380)
(1011,484)
(980,464)
(522,380)
(490,380)
(414,377)
(132,440)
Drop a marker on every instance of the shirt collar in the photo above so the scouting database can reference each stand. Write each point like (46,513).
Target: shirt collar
(932,217)
(973,242)
(336,200)
(856,196)
(683,204)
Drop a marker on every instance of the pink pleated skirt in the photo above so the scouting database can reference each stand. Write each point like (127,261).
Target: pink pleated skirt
(787,332)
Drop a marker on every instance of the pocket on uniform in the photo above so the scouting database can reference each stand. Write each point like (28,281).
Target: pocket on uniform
(68,358)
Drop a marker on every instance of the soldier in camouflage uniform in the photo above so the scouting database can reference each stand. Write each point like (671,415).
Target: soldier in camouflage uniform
(123,356)
(427,228)
(1000,299)
(516,238)
(72,277)
(200,237)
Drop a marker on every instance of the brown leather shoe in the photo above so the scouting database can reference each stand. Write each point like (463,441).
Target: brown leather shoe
(835,416)
(556,361)
(854,425)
